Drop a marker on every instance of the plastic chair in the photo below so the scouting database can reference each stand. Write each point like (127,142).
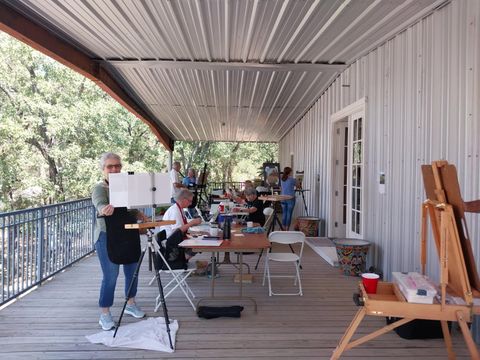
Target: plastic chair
(179,276)
(285,238)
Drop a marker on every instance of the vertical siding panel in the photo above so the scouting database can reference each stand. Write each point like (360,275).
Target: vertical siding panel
(422,90)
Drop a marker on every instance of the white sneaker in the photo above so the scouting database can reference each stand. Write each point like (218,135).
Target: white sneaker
(106,321)
(134,310)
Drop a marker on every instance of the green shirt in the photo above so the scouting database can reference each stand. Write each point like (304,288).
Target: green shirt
(100,199)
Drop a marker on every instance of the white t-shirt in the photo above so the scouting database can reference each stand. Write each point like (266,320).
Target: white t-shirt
(173,213)
(174,178)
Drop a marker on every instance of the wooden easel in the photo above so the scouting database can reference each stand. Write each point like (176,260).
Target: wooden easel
(458,273)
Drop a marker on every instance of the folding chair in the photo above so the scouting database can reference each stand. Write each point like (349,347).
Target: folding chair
(197,213)
(172,262)
(269,214)
(285,238)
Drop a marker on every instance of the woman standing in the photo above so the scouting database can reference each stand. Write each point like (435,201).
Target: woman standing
(287,184)
(111,163)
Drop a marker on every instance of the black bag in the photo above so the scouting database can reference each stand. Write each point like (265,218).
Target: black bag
(123,245)
(419,329)
(212,312)
(174,254)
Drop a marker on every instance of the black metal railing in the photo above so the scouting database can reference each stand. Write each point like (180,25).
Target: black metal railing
(37,243)
(225,185)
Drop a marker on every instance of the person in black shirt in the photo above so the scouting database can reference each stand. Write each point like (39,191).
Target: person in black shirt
(255,207)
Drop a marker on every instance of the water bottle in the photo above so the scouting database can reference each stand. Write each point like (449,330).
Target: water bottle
(227,228)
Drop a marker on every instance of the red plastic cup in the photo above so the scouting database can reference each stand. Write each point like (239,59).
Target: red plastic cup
(370,281)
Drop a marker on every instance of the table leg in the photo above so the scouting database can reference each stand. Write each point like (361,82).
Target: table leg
(212,285)
(228,261)
(212,274)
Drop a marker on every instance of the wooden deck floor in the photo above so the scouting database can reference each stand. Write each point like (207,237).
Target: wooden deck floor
(52,321)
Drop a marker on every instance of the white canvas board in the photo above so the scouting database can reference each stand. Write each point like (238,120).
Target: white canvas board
(118,189)
(200,242)
(140,192)
(135,190)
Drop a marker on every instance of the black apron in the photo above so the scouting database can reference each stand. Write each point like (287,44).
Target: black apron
(123,245)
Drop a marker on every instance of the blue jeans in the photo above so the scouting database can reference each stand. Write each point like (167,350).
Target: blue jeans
(110,274)
(287,210)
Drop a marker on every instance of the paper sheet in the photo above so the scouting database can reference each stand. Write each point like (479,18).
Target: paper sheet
(200,242)
(200,228)
(147,334)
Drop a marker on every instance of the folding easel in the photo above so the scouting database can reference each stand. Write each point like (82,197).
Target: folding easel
(458,274)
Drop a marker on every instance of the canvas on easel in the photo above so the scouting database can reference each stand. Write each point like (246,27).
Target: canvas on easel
(299,175)
(441,184)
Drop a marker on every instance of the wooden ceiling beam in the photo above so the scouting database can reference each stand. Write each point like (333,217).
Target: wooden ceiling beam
(17,25)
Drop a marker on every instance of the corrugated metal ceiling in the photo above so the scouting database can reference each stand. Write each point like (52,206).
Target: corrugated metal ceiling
(232,70)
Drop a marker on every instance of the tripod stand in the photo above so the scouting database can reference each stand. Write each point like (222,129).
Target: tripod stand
(201,185)
(151,248)
(302,192)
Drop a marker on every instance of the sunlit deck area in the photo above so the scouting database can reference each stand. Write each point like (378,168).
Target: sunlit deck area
(52,321)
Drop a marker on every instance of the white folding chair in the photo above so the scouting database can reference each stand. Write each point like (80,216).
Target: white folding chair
(269,213)
(178,278)
(198,214)
(285,238)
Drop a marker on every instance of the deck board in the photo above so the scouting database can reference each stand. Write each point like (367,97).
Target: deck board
(52,321)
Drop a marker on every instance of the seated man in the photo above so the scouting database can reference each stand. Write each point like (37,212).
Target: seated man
(175,212)
(254,207)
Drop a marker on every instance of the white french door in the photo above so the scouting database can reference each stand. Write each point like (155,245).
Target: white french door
(340,175)
(347,207)
(355,181)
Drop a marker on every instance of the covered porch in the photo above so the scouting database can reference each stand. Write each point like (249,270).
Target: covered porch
(255,79)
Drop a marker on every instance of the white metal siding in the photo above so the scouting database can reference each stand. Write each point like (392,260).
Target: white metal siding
(422,91)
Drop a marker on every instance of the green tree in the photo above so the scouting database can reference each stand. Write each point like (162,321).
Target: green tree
(226,161)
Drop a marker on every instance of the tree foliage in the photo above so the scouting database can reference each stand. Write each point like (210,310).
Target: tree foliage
(226,161)
(54,124)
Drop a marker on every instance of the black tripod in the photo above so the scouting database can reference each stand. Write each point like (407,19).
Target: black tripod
(159,283)
(302,191)
(202,199)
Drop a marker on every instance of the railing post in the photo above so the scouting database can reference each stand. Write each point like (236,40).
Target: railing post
(40,252)
(94,217)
